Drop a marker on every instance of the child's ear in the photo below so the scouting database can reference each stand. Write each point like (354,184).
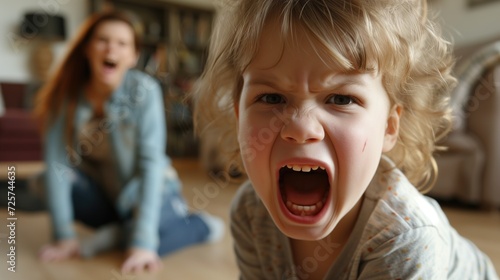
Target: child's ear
(236,100)
(237,114)
(392,128)
(236,109)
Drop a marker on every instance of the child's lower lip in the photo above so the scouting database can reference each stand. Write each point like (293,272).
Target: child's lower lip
(303,219)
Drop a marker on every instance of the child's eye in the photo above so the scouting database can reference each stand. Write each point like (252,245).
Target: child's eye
(339,99)
(272,98)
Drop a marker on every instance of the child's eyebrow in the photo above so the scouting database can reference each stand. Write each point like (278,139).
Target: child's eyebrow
(269,81)
(262,81)
(355,79)
(332,81)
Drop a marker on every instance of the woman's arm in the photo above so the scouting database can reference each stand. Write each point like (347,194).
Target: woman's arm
(57,183)
(58,175)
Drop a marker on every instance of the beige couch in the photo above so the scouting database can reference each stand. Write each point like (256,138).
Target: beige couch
(469,171)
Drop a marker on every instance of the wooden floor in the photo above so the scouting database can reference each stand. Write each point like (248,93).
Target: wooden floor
(207,261)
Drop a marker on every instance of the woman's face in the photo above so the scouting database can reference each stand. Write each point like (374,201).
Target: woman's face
(111,52)
(311,135)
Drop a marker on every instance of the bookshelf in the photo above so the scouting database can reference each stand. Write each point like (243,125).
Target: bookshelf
(174,51)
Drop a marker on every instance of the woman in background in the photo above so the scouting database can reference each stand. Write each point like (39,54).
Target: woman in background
(105,137)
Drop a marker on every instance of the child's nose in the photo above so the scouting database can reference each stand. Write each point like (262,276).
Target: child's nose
(302,129)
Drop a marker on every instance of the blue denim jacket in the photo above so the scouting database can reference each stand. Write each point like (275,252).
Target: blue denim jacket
(135,121)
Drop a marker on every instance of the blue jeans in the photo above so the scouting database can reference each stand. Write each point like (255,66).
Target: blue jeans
(178,228)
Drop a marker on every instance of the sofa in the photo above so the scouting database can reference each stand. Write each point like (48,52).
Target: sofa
(469,170)
(19,136)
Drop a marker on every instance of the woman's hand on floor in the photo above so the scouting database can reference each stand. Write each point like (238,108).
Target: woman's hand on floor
(60,250)
(139,259)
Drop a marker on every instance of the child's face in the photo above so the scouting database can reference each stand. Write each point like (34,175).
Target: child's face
(311,136)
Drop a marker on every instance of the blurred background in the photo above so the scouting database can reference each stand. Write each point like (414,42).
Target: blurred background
(34,35)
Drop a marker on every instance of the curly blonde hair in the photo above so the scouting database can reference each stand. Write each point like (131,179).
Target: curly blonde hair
(394,37)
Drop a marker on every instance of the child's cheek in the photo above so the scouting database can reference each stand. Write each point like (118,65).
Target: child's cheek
(253,141)
(355,146)
(257,133)
(248,147)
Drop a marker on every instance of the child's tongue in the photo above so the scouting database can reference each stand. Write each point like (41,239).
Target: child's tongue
(304,188)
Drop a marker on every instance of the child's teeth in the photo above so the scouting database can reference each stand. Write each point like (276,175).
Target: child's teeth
(304,210)
(305,168)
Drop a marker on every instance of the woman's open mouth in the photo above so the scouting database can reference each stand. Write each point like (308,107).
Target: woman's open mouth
(109,64)
(304,189)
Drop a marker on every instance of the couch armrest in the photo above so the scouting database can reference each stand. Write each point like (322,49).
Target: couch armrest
(483,120)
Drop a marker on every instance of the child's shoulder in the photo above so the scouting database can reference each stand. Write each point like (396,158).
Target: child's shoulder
(399,224)
(248,214)
(245,199)
(398,205)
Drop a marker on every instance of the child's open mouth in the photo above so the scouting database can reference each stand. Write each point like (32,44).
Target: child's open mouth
(304,189)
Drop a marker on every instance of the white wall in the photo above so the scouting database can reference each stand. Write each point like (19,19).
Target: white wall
(14,51)
(466,25)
